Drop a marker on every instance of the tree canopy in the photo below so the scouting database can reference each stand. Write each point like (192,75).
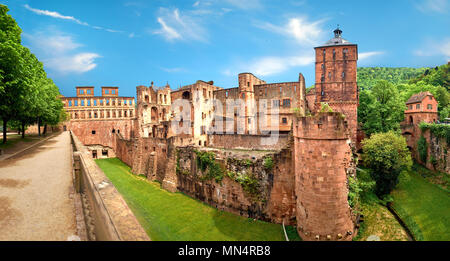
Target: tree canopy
(387,155)
(26,94)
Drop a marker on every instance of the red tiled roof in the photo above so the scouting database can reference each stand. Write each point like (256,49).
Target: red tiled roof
(418,97)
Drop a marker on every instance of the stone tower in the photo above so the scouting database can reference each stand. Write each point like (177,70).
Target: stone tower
(322,162)
(336,78)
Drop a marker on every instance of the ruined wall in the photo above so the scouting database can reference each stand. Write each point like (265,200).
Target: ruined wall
(104,131)
(322,161)
(438,148)
(272,199)
(251,142)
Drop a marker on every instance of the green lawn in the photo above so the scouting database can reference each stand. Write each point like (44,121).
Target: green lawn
(12,140)
(423,206)
(378,220)
(175,216)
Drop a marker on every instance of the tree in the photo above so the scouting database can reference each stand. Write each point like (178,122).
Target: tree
(387,155)
(26,94)
(381,108)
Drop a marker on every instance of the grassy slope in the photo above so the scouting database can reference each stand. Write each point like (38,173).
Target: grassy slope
(377,218)
(424,207)
(174,216)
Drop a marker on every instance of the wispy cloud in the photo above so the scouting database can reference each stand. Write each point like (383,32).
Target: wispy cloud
(435,48)
(305,32)
(367,55)
(245,4)
(69,18)
(58,52)
(271,65)
(173,70)
(433,6)
(176,26)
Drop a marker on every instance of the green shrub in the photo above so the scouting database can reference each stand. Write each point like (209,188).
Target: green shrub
(268,163)
(386,154)
(206,163)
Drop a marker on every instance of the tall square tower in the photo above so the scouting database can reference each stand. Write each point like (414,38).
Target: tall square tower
(336,78)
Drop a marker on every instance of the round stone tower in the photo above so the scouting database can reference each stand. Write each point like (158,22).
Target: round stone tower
(322,161)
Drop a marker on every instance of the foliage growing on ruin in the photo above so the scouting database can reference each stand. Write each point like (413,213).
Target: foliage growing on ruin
(422,147)
(248,182)
(207,163)
(324,107)
(268,163)
(439,130)
(386,154)
(297,112)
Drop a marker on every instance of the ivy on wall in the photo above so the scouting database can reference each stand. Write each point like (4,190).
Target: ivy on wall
(438,130)
(422,147)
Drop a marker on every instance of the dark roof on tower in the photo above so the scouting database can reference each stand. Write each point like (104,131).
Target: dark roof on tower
(418,97)
(337,40)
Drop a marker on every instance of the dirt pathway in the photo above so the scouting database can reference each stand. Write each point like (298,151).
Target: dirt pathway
(34,193)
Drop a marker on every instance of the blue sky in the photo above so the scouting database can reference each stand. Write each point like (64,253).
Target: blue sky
(127,43)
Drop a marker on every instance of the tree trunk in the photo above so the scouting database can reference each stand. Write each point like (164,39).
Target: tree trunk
(23,130)
(45,129)
(39,126)
(4,130)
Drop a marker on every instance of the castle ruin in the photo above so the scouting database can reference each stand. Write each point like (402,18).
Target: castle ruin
(267,151)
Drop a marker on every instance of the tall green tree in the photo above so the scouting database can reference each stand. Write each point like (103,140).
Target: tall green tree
(381,109)
(26,94)
(387,155)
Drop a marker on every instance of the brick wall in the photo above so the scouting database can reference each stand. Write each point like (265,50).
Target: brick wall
(251,142)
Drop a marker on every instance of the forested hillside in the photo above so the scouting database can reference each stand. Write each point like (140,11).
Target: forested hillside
(368,76)
(384,91)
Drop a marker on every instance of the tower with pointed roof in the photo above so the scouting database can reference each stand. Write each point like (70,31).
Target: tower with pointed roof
(336,78)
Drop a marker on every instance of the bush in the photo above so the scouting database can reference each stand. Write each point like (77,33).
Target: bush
(386,154)
(268,163)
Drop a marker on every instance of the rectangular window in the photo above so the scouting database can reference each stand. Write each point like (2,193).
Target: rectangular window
(286,103)
(113,91)
(81,92)
(276,103)
(418,106)
(284,120)
(430,107)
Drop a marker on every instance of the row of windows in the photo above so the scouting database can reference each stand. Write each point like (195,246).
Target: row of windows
(112,131)
(100,102)
(344,53)
(89,91)
(106,115)
(330,75)
(429,106)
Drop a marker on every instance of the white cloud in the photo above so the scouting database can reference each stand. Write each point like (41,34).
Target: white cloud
(271,65)
(299,28)
(438,6)
(196,4)
(78,63)
(435,48)
(58,52)
(176,26)
(367,55)
(54,15)
(65,17)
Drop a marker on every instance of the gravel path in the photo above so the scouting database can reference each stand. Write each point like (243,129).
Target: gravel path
(35,187)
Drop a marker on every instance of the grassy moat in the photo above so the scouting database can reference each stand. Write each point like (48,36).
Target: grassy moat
(176,217)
